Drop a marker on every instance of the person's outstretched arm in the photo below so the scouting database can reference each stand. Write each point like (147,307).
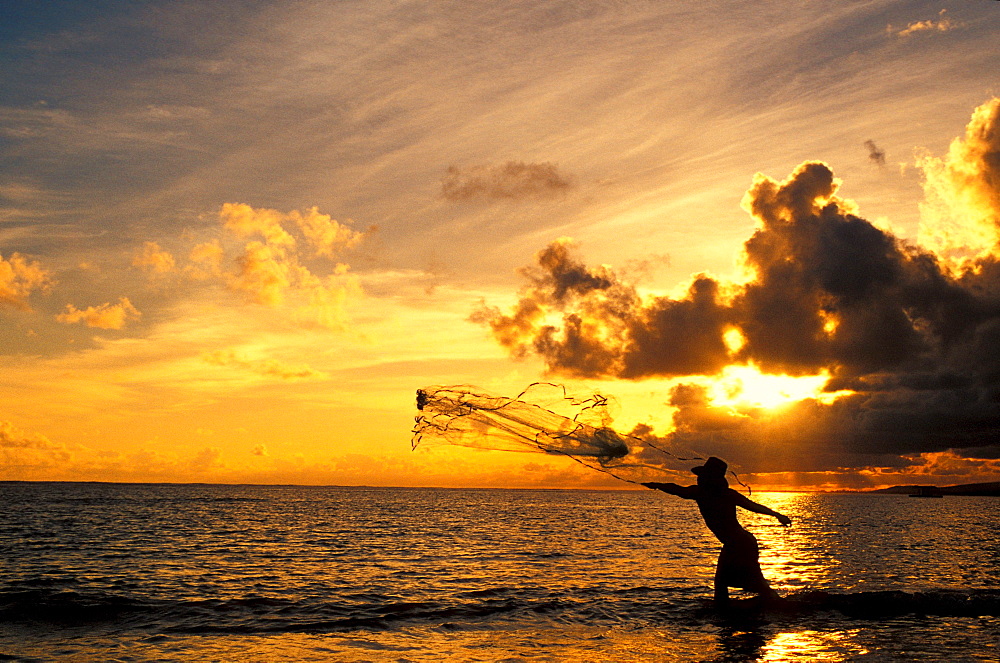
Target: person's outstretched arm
(687,492)
(750,505)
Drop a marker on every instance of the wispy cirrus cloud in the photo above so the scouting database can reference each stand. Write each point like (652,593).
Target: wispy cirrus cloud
(512,180)
(264,367)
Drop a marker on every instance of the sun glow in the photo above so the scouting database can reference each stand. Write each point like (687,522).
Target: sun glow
(734,340)
(743,385)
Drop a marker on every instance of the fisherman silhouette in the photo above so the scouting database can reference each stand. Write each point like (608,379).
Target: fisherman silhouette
(739,564)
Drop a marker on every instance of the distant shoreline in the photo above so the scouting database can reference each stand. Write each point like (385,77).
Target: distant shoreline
(991,489)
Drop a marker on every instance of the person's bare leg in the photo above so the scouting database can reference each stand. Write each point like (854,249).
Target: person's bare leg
(721,590)
(760,586)
(765,590)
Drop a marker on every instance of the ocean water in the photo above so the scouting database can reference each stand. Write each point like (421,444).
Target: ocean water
(108,572)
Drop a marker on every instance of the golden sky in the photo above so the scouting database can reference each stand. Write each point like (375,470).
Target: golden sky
(235,237)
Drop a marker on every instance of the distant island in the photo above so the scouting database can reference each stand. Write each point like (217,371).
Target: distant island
(992,488)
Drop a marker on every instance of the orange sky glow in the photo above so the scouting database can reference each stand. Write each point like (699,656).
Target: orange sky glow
(235,239)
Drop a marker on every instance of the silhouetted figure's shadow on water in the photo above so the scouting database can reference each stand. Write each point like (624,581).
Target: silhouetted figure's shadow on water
(741,642)
(739,564)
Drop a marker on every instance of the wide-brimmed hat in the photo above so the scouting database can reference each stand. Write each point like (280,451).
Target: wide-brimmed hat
(712,467)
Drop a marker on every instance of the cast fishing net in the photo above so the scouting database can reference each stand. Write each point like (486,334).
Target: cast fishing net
(542,419)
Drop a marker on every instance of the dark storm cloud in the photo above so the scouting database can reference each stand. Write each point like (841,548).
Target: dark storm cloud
(830,291)
(605,328)
(864,429)
(511,180)
(875,154)
(594,302)
(915,343)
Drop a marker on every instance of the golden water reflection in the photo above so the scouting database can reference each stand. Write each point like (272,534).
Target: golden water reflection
(813,646)
(797,557)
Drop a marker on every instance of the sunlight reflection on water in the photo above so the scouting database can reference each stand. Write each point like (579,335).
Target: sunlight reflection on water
(817,645)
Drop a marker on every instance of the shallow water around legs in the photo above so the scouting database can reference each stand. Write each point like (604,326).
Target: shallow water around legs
(168,572)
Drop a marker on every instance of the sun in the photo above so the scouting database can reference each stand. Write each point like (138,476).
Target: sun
(745,386)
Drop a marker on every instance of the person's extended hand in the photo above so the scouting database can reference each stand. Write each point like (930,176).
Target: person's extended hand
(784,520)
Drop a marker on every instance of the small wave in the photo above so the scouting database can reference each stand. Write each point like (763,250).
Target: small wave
(249,614)
(38,607)
(488,592)
(879,604)
(335,617)
(219,500)
(67,607)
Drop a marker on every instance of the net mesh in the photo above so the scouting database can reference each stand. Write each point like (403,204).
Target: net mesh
(543,418)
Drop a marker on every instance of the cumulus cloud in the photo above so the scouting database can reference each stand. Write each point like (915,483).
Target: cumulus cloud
(326,236)
(875,154)
(264,272)
(12,437)
(23,454)
(285,260)
(154,259)
(942,24)
(32,457)
(908,345)
(246,221)
(209,458)
(511,180)
(960,218)
(265,367)
(272,269)
(19,277)
(206,260)
(105,316)
(267,271)
(586,322)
